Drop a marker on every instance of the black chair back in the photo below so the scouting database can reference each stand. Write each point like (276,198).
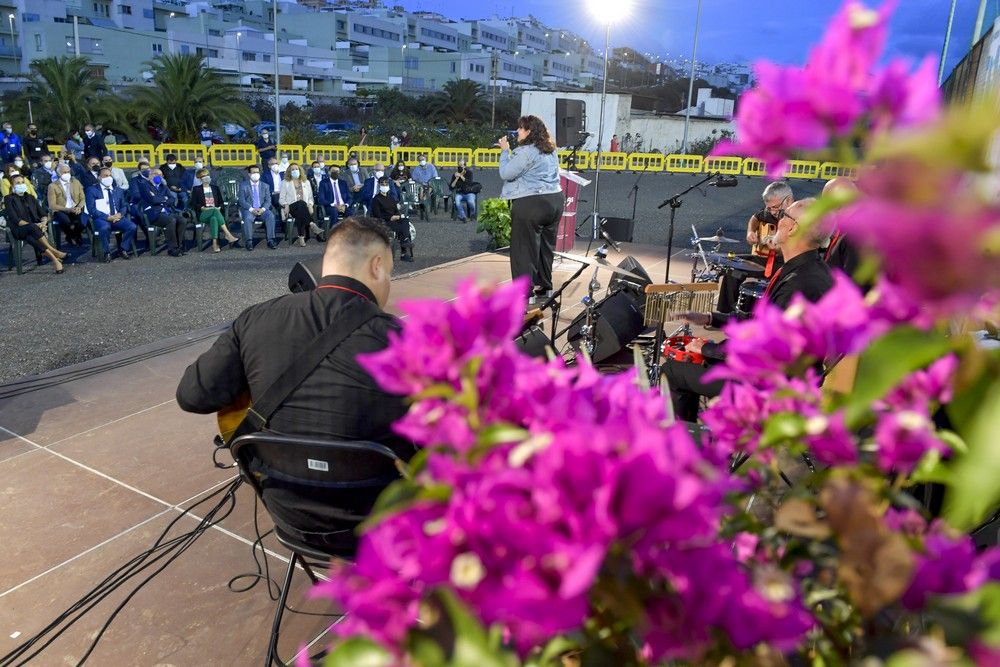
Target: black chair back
(316,491)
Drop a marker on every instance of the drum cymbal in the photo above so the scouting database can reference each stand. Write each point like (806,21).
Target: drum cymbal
(731,261)
(603,263)
(718,238)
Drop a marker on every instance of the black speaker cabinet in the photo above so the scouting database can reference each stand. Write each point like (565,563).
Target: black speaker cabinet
(571,121)
(634,287)
(619,322)
(620,229)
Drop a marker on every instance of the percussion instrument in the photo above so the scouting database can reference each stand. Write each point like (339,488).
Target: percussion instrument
(664,299)
(601,262)
(751,291)
(674,348)
(731,262)
(718,238)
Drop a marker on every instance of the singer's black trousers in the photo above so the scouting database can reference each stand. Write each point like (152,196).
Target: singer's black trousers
(534,221)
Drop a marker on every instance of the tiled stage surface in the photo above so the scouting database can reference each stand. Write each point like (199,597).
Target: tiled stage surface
(93,469)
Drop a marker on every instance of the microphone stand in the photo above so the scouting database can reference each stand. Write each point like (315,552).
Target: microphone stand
(675,203)
(634,194)
(555,302)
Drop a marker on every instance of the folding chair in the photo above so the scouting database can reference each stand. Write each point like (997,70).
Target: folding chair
(306,483)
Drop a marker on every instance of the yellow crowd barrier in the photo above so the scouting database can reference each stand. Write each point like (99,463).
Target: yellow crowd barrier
(232,155)
(294,152)
(128,155)
(409,154)
(753,167)
(186,153)
(684,164)
(645,162)
(330,154)
(369,155)
(55,149)
(609,161)
(584,159)
(830,170)
(449,157)
(486,157)
(729,165)
(802,169)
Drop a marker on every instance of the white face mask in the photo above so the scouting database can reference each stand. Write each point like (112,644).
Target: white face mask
(295,173)
(65,178)
(206,180)
(107,181)
(284,162)
(20,188)
(352,167)
(254,177)
(384,189)
(18,163)
(423,163)
(322,166)
(172,165)
(198,165)
(47,164)
(379,174)
(263,135)
(275,168)
(89,133)
(317,170)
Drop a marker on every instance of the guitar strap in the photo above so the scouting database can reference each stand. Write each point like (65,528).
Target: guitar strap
(355,315)
(770,264)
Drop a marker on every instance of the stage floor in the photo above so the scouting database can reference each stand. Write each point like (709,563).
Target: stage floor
(97,459)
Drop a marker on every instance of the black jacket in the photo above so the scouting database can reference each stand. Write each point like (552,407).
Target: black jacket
(34,147)
(174,177)
(338,400)
(22,207)
(93,146)
(384,207)
(198,198)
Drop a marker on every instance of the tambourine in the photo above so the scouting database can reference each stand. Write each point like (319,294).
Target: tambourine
(673,348)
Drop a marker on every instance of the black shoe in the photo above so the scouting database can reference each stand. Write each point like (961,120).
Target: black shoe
(126,255)
(107,258)
(249,247)
(272,245)
(184,250)
(174,252)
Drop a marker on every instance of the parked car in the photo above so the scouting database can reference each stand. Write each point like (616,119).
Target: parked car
(235,132)
(266,125)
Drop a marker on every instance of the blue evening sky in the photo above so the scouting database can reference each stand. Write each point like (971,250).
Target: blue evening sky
(731,30)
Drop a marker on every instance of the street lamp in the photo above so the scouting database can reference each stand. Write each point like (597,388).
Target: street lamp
(13,44)
(694,58)
(605,12)
(239,63)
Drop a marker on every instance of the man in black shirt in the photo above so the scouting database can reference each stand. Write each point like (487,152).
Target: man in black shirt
(802,273)
(338,400)
(175,176)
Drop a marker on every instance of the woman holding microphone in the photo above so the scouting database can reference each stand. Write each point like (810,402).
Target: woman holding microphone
(531,182)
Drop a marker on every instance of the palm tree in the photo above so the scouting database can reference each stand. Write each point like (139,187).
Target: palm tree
(460,100)
(185,93)
(64,92)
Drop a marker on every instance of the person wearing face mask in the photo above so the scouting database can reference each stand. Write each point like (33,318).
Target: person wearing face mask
(93,143)
(206,136)
(334,196)
(74,145)
(426,176)
(10,144)
(107,209)
(35,147)
(206,200)
(178,180)
(267,149)
(23,167)
(254,199)
(158,204)
(296,199)
(27,222)
(91,175)
(370,188)
(273,176)
(386,209)
(117,173)
(463,185)
(66,201)
(9,172)
(354,177)
(400,173)
(44,175)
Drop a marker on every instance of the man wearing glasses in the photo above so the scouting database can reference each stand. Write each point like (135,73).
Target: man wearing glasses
(803,272)
(761,227)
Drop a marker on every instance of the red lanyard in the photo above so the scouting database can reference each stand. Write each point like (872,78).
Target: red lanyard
(774,279)
(344,289)
(833,244)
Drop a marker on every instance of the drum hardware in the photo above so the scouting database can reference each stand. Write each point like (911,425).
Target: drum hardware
(751,292)
(718,238)
(674,203)
(662,300)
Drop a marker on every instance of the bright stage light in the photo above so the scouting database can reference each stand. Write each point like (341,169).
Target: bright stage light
(609,11)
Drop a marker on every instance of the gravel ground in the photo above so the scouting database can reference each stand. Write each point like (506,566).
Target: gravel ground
(95,309)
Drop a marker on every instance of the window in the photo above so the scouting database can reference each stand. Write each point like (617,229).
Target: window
(376,32)
(30,18)
(157,48)
(249,56)
(214,33)
(267,57)
(440,36)
(341,25)
(148,14)
(453,67)
(300,61)
(38,42)
(125,9)
(411,63)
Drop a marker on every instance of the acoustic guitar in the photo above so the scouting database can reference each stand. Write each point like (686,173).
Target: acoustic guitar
(765,232)
(230,417)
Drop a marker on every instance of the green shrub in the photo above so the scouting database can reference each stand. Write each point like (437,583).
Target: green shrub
(494,219)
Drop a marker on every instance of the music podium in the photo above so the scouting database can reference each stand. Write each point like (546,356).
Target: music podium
(571,182)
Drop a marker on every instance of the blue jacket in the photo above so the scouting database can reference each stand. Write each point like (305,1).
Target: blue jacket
(370,189)
(94,146)
(325,195)
(424,174)
(527,171)
(96,192)
(244,195)
(156,197)
(10,146)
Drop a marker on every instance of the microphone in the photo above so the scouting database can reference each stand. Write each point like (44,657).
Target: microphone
(725,182)
(608,239)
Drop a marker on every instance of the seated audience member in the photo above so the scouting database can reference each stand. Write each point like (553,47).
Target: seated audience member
(66,201)
(296,199)
(316,176)
(9,172)
(273,176)
(206,200)
(370,188)
(22,168)
(334,196)
(176,178)
(90,177)
(159,205)
(424,172)
(44,174)
(802,273)
(27,222)
(117,173)
(254,199)
(355,178)
(386,209)
(107,208)
(400,173)
(338,400)
(461,185)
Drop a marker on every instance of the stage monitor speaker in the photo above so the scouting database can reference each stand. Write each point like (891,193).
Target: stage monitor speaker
(620,229)
(619,321)
(637,288)
(571,122)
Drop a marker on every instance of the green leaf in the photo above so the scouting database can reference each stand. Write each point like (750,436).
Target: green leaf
(782,427)
(472,642)
(886,362)
(358,652)
(394,497)
(974,489)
